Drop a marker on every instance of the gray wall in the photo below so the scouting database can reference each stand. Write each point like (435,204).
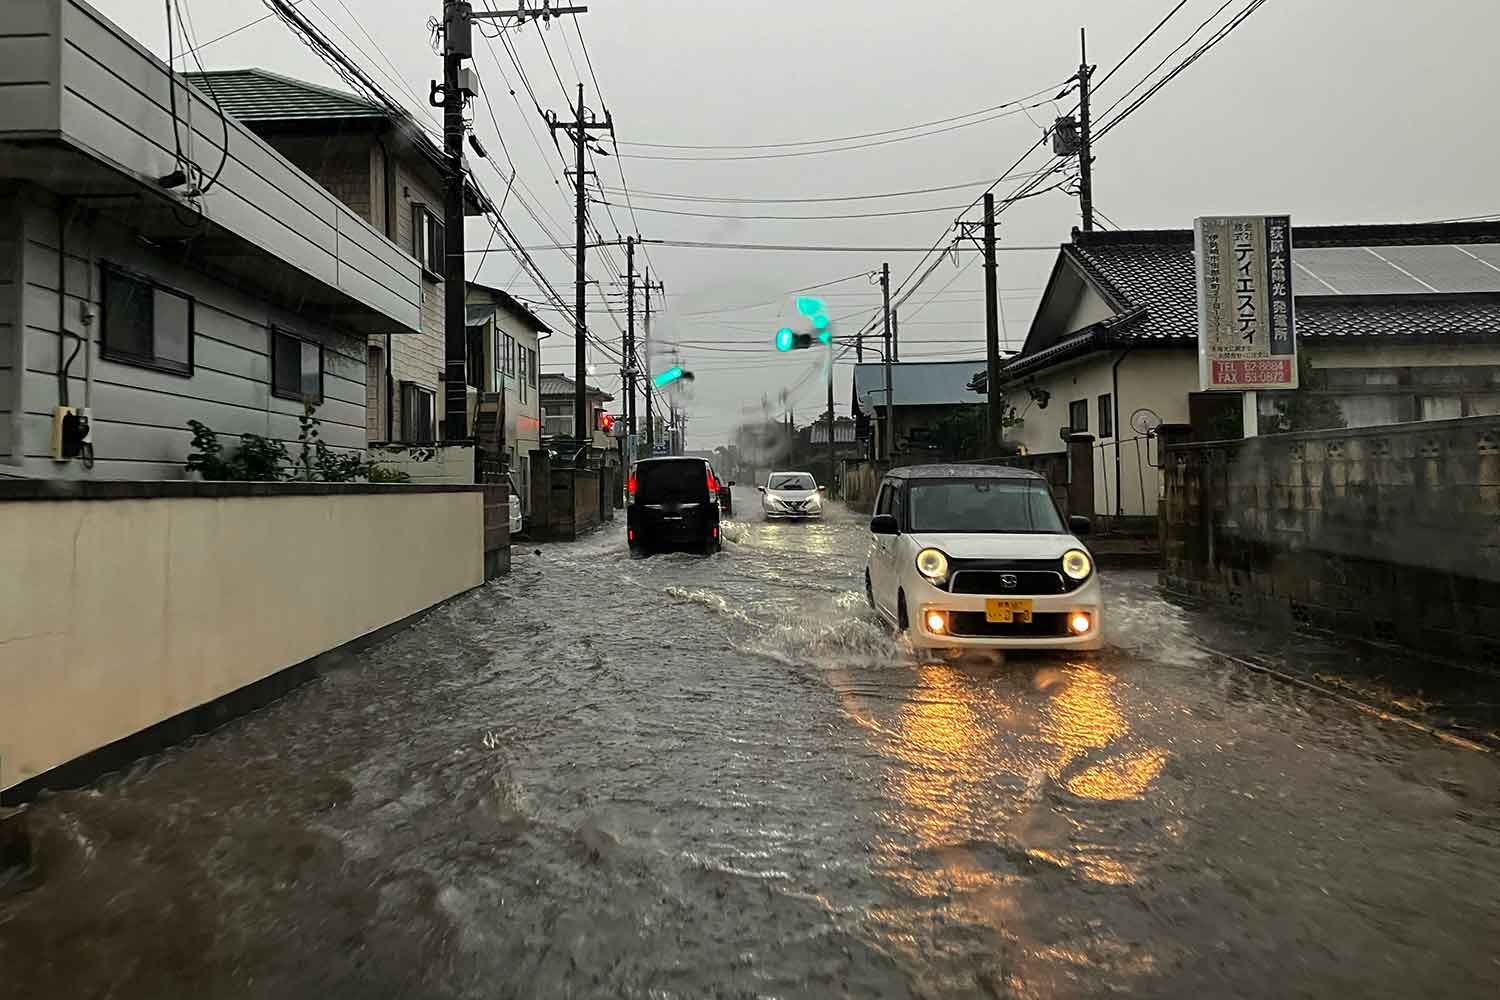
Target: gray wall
(140,415)
(1391,532)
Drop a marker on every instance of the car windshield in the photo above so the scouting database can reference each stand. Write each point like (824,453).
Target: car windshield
(795,481)
(983,505)
(666,482)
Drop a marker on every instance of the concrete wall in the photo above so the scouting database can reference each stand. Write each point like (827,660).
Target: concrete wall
(429,465)
(1387,531)
(117,614)
(140,414)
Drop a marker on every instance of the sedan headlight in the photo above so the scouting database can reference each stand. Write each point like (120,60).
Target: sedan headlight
(1077,564)
(932,564)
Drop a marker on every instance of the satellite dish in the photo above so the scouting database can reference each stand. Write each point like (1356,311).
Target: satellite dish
(1145,422)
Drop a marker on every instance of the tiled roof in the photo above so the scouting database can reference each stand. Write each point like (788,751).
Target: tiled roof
(1158,276)
(1419,317)
(253,95)
(561,385)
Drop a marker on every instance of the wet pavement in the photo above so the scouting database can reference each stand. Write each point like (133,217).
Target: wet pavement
(680,777)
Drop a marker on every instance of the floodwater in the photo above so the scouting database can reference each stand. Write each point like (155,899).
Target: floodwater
(684,777)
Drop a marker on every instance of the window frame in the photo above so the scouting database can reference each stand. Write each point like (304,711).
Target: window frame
(416,388)
(1074,408)
(1106,415)
(298,397)
(124,357)
(427,251)
(531,372)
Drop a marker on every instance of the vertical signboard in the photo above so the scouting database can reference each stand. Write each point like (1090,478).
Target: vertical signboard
(1247,336)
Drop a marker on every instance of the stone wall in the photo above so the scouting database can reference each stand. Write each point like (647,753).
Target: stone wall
(1391,532)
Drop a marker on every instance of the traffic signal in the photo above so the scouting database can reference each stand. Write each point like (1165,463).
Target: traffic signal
(669,376)
(606,422)
(788,339)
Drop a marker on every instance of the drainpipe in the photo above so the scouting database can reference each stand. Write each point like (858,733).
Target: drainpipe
(390,234)
(1115,401)
(65,219)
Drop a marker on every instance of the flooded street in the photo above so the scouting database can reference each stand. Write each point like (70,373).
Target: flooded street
(680,777)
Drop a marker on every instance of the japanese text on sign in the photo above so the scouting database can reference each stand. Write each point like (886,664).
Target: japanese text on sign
(1246,333)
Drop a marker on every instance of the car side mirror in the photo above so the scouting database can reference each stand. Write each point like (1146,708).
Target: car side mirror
(884,524)
(731,482)
(822,489)
(761,488)
(1079,525)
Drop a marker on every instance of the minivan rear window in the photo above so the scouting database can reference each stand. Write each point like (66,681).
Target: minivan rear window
(671,482)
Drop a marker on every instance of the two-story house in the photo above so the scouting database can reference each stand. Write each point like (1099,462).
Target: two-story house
(153,273)
(558,402)
(504,347)
(390,171)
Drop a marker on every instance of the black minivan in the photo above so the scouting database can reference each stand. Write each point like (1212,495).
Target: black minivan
(674,504)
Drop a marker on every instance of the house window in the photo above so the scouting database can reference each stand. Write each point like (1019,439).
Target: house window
(499,352)
(475,368)
(427,241)
(417,413)
(1106,416)
(1078,416)
(531,366)
(145,324)
(510,356)
(296,367)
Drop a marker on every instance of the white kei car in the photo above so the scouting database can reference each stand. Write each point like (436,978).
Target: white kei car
(978,557)
(791,495)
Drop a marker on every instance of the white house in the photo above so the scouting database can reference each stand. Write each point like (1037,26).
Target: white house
(152,274)
(1398,323)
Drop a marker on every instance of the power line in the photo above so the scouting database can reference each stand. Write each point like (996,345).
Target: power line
(802,218)
(861,135)
(1141,44)
(664,196)
(841,149)
(1212,41)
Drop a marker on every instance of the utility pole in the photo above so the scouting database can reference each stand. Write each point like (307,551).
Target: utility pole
(578,130)
(992,326)
(628,371)
(895,335)
(457,46)
(831,476)
(1085,149)
(650,421)
(889,437)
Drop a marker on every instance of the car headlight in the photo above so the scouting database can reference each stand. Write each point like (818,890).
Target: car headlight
(932,564)
(1077,564)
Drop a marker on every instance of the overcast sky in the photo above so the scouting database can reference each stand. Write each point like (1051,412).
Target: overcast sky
(1337,111)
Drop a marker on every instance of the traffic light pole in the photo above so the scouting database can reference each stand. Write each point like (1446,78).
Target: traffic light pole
(831,476)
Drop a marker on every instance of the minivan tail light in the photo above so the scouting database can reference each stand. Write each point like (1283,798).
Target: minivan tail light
(630,486)
(713,484)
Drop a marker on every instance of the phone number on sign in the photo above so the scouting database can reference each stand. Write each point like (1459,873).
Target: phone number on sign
(1276,372)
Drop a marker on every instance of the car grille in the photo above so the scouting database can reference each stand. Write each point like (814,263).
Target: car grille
(972,625)
(999,581)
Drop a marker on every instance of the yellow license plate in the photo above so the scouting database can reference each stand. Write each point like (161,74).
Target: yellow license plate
(1007,612)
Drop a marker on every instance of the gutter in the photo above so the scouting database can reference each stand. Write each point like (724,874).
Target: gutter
(1114,375)
(390,233)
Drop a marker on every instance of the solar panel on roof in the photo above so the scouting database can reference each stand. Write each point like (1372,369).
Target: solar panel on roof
(1446,268)
(1487,252)
(1356,271)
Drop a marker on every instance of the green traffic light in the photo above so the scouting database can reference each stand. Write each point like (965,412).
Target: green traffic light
(825,336)
(820,321)
(667,377)
(809,306)
(785,339)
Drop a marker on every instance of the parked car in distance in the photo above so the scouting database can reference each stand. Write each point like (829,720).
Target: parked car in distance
(673,504)
(974,556)
(517,515)
(726,495)
(791,495)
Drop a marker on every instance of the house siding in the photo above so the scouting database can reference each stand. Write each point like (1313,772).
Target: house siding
(140,415)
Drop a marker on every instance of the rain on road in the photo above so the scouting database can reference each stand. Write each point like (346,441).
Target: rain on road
(680,777)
